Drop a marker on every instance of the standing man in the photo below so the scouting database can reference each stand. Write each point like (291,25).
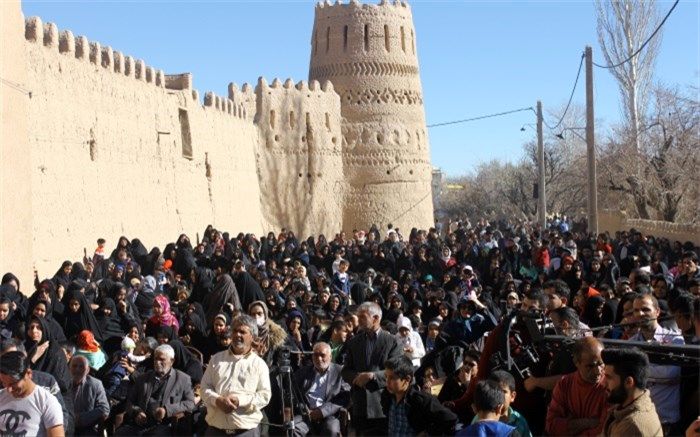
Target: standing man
(325,391)
(236,385)
(364,369)
(664,381)
(27,409)
(626,373)
(579,400)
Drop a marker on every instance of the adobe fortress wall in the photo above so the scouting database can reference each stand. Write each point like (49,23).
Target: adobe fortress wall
(119,148)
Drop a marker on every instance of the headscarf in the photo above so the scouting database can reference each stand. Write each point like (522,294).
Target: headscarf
(53,360)
(86,341)
(53,326)
(110,325)
(60,278)
(224,292)
(263,331)
(186,362)
(248,289)
(84,318)
(166,318)
(203,284)
(166,331)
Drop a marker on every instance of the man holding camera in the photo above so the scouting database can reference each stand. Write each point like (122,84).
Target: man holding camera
(325,394)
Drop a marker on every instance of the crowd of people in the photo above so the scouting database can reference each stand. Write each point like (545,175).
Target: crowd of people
(378,332)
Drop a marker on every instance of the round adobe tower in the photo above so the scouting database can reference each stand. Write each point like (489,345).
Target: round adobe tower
(368,52)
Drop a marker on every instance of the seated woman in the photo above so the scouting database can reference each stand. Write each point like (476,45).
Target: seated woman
(162,316)
(45,353)
(89,348)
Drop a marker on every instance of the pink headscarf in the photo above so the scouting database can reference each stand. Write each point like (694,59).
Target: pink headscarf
(167,318)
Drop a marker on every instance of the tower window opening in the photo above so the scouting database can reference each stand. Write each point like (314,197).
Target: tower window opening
(366,37)
(345,38)
(185,134)
(272,119)
(386,38)
(328,39)
(413,42)
(292,122)
(315,42)
(403,39)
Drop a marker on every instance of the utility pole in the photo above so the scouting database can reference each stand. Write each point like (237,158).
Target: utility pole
(541,200)
(590,146)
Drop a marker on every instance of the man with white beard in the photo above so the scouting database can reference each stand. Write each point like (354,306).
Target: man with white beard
(157,396)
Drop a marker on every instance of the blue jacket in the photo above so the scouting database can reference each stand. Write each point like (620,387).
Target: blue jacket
(488,428)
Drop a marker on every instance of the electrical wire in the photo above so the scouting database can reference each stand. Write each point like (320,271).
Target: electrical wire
(16,86)
(529,108)
(645,42)
(571,97)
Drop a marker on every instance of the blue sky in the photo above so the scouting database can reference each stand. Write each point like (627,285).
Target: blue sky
(476,57)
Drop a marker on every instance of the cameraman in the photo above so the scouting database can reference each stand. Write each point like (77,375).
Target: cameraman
(325,394)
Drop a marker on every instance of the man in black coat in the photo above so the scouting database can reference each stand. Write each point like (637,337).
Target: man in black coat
(157,397)
(325,394)
(366,354)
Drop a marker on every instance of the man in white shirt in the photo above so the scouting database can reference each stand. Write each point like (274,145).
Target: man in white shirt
(27,409)
(236,385)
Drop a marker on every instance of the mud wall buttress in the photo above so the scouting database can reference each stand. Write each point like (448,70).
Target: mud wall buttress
(299,160)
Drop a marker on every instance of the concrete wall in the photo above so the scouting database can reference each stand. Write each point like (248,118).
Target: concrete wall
(299,156)
(613,221)
(369,53)
(119,148)
(15,155)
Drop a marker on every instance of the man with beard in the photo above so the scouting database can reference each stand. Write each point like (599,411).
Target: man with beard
(157,396)
(626,372)
(236,385)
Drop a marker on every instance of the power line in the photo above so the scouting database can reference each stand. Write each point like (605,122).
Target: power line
(645,42)
(529,108)
(571,97)
(16,86)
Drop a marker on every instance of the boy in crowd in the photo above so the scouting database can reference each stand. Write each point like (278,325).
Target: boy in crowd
(409,410)
(489,406)
(506,382)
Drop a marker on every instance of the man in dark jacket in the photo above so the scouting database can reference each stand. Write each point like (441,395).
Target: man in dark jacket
(364,369)
(157,397)
(409,410)
(325,394)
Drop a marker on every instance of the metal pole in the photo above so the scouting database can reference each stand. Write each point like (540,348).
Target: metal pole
(541,200)
(590,146)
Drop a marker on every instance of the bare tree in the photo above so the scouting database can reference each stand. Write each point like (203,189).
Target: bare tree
(661,179)
(623,26)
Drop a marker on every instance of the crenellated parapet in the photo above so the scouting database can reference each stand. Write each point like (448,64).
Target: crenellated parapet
(81,49)
(224,105)
(292,115)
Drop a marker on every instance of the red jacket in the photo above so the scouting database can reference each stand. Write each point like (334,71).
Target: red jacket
(574,398)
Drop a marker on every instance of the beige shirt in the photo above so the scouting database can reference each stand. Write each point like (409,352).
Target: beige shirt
(248,378)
